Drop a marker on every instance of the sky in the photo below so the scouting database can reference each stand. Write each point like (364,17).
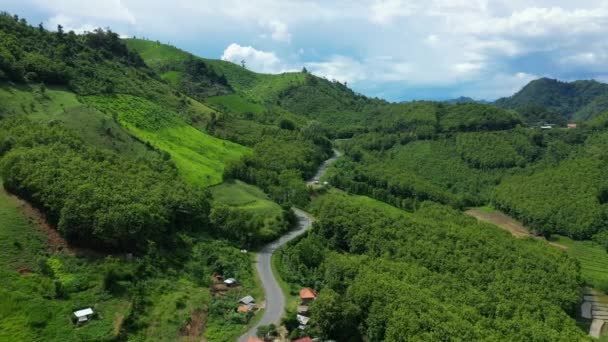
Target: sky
(398,50)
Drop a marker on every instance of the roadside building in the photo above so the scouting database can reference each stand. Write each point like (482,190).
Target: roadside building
(307,295)
(83,315)
(303,320)
(254,339)
(247,300)
(572,125)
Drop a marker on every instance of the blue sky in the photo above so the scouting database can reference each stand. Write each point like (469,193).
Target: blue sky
(393,49)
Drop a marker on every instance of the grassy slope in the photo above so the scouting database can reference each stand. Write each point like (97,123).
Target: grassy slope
(199,157)
(241,195)
(28,311)
(253,86)
(57,104)
(593,259)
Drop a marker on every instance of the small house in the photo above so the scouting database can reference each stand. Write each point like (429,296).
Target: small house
(247,300)
(254,339)
(230,282)
(307,295)
(303,320)
(83,315)
(572,125)
(546,127)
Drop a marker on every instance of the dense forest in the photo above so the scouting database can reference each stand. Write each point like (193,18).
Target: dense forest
(385,275)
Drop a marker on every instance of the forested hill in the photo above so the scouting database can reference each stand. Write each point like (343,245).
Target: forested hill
(551,100)
(295,96)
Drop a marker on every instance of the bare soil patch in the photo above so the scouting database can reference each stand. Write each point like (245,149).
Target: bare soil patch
(507,223)
(195,326)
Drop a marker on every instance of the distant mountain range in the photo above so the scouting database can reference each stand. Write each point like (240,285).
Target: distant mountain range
(465,99)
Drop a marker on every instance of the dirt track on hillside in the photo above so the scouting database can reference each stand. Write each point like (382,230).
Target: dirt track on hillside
(507,223)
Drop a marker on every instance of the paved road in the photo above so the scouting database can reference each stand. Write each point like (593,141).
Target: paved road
(275,299)
(323,167)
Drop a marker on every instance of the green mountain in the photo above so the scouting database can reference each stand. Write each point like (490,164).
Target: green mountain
(133,172)
(574,101)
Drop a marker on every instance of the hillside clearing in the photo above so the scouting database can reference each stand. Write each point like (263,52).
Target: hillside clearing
(199,157)
(266,214)
(507,223)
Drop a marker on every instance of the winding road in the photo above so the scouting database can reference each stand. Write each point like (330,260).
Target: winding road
(275,298)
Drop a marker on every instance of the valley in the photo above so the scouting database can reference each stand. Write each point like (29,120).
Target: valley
(183,198)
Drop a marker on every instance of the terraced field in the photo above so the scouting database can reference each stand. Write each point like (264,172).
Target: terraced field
(593,259)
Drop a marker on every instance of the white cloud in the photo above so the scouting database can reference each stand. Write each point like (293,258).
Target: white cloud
(341,68)
(68,24)
(432,39)
(466,68)
(256,60)
(102,10)
(279,31)
(385,11)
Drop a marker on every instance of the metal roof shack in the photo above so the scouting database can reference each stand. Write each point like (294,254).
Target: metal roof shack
(247,300)
(83,315)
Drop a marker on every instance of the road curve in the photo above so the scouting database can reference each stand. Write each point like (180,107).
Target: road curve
(275,299)
(323,167)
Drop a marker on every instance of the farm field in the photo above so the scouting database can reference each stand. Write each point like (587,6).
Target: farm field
(199,157)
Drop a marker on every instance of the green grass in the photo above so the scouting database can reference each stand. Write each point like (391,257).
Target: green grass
(60,105)
(172,77)
(200,158)
(593,259)
(487,209)
(29,309)
(290,290)
(267,214)
(156,54)
(235,103)
(171,305)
